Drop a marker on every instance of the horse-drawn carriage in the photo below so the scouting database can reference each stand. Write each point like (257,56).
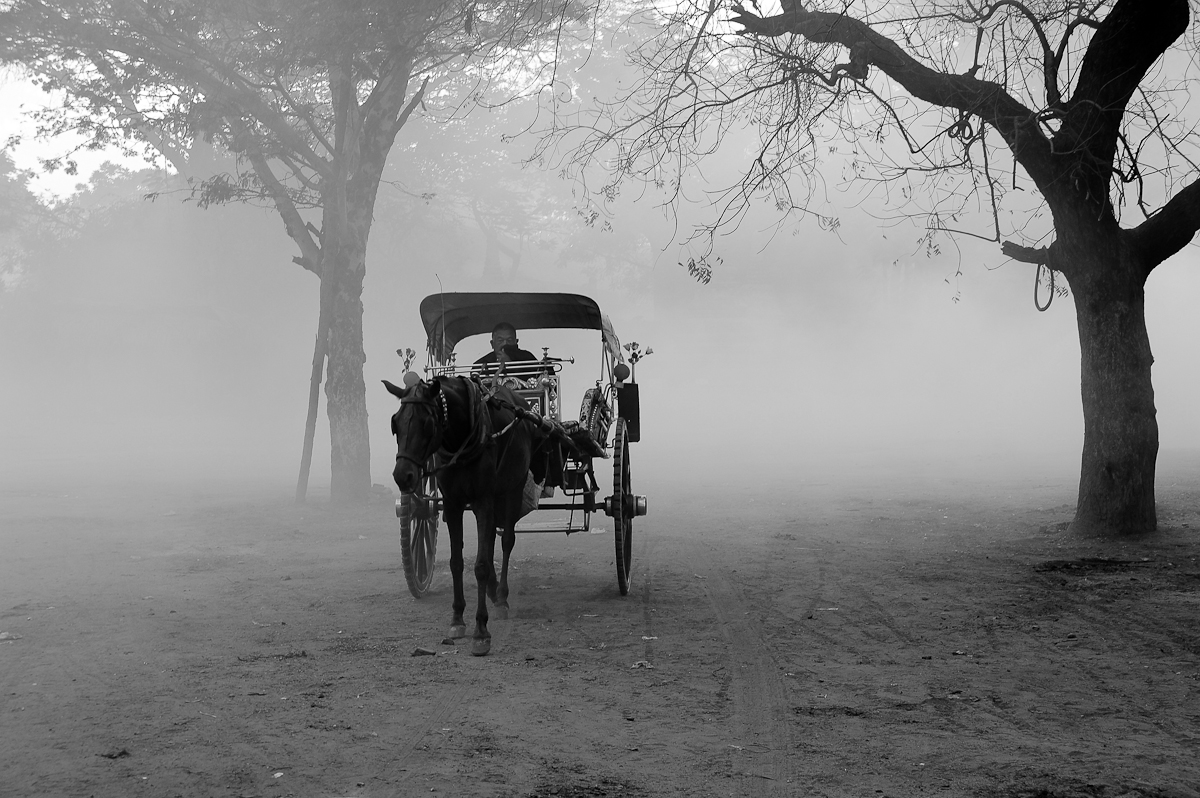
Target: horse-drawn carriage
(608,421)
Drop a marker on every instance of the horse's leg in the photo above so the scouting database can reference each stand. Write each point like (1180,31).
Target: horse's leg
(485,575)
(507,516)
(491,581)
(454,523)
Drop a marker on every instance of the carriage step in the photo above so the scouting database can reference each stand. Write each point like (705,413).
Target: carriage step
(577,506)
(542,528)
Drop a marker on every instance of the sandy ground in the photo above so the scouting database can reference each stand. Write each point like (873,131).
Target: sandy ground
(871,637)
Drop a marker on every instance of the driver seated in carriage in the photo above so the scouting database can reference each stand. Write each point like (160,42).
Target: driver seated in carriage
(505,350)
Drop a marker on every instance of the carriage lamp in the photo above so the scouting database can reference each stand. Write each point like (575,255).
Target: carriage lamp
(620,372)
(411,378)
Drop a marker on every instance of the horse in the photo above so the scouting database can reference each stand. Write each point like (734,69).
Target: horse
(482,449)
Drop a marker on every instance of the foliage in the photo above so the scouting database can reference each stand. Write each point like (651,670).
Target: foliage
(280,82)
(28,223)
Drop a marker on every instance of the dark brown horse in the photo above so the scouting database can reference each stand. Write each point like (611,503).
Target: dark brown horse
(481,452)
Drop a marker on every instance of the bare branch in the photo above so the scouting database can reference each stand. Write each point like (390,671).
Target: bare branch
(410,107)
(1016,123)
(297,229)
(1024,254)
(1169,230)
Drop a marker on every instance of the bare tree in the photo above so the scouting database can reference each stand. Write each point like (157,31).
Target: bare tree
(311,96)
(944,107)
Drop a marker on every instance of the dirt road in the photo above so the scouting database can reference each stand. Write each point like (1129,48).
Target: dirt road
(794,639)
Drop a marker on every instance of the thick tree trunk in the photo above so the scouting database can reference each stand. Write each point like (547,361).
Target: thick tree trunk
(344,262)
(1120,438)
(363,136)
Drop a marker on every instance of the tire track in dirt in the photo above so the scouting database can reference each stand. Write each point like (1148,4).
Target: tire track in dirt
(763,756)
(1152,630)
(1006,699)
(516,641)
(452,698)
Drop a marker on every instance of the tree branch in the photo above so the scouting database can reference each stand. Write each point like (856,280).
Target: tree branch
(1049,62)
(412,104)
(175,155)
(1169,230)
(387,96)
(1016,123)
(208,74)
(1126,44)
(310,251)
(1038,255)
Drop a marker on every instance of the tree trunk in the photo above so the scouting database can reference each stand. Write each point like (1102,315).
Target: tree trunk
(314,395)
(344,262)
(1120,437)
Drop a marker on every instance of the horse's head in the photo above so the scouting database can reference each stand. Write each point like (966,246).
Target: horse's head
(419,426)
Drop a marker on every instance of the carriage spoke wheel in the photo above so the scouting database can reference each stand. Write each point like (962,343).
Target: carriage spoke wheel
(418,536)
(622,504)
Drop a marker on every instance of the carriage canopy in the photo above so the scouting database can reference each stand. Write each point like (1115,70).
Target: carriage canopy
(451,317)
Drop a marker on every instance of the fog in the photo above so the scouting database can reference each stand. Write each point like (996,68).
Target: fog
(165,342)
(173,343)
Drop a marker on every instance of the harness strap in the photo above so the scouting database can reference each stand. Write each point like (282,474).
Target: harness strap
(509,426)
(477,437)
(420,465)
(545,424)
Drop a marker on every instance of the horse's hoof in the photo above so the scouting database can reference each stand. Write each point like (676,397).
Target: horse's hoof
(481,647)
(501,612)
(458,631)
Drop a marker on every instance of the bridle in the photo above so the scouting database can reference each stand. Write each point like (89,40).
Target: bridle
(476,439)
(440,421)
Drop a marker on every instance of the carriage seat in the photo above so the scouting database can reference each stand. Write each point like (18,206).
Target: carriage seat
(539,390)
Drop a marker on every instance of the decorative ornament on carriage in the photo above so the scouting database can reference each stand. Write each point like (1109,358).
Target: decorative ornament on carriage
(636,353)
(409,356)
(411,378)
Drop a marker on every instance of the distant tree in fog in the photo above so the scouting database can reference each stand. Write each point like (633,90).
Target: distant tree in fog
(481,178)
(18,210)
(961,113)
(310,95)
(467,187)
(28,223)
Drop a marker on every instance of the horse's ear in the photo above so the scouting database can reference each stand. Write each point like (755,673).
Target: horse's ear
(394,390)
(434,385)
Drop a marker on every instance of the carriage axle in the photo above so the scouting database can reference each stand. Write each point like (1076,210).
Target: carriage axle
(631,506)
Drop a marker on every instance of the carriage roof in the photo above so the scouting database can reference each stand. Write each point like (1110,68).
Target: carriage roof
(451,317)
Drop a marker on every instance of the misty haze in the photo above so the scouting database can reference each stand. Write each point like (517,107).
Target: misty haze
(867,565)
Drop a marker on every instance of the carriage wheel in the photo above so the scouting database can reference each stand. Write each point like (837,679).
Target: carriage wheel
(418,536)
(621,505)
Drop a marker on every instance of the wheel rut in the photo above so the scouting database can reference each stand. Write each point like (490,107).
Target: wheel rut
(762,751)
